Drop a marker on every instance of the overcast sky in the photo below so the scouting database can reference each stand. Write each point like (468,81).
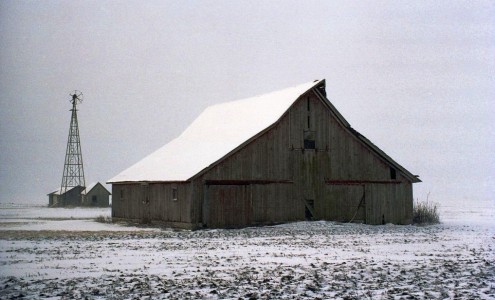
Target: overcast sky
(415,77)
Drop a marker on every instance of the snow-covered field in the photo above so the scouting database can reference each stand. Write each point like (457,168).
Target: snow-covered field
(63,253)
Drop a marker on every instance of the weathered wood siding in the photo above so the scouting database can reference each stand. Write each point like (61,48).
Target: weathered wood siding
(389,203)
(71,198)
(152,202)
(229,206)
(250,204)
(279,154)
(342,203)
(52,199)
(98,196)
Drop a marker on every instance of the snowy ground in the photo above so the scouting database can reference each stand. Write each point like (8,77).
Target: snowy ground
(63,253)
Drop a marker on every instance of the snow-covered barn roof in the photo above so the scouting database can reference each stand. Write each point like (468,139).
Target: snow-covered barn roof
(222,128)
(217,131)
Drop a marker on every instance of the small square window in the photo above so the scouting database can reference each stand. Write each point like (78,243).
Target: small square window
(174,194)
(309,144)
(309,140)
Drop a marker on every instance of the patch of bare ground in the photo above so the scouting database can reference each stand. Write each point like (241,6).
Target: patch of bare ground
(306,260)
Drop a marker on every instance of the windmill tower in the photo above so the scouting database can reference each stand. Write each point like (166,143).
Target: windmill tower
(73,175)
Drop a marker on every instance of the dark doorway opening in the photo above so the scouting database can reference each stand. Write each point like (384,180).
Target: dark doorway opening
(393,173)
(309,208)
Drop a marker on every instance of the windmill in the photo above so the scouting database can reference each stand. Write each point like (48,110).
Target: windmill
(73,175)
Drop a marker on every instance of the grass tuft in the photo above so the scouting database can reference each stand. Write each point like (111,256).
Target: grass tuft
(103,219)
(425,213)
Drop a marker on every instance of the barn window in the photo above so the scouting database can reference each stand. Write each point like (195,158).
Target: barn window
(393,173)
(94,199)
(309,140)
(174,194)
(122,194)
(309,122)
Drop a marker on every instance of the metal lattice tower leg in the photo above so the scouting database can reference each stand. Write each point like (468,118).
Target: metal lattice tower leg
(73,167)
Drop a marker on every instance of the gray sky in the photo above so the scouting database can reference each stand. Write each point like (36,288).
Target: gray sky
(415,77)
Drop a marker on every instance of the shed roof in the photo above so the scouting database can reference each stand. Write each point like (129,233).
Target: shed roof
(217,131)
(57,191)
(221,129)
(92,186)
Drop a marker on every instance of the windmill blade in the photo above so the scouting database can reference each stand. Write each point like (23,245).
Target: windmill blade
(76,95)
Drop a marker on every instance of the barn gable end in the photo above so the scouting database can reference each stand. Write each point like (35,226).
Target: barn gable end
(307,163)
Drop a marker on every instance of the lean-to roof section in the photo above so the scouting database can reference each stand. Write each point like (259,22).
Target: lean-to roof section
(363,139)
(215,133)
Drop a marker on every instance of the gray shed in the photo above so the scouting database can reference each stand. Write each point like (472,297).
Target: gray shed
(96,195)
(71,197)
(280,157)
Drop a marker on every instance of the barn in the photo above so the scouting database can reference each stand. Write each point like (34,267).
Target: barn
(280,157)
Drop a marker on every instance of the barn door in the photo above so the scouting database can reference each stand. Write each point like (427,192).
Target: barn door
(229,206)
(345,203)
(308,181)
(308,174)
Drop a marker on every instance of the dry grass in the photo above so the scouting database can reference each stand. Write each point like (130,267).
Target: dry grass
(425,213)
(103,219)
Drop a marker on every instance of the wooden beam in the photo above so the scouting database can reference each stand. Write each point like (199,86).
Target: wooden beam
(245,182)
(359,182)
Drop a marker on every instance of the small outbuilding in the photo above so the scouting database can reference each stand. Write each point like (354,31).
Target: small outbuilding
(53,197)
(96,195)
(280,157)
(71,197)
